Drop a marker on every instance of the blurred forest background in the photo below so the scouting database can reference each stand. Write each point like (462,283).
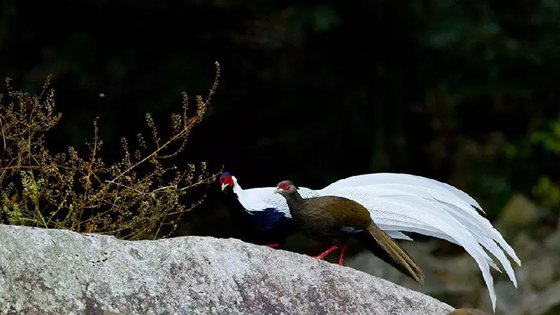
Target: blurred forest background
(463,92)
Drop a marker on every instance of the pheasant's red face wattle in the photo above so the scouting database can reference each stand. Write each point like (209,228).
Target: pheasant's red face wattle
(285,185)
(227,180)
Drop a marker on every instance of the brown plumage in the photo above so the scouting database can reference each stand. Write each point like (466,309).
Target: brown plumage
(336,219)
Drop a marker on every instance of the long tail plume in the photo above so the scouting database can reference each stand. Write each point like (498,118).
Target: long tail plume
(386,248)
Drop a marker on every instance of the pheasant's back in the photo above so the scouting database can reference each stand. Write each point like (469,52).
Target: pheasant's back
(338,210)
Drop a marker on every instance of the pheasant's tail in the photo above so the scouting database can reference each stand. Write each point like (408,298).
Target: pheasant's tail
(386,248)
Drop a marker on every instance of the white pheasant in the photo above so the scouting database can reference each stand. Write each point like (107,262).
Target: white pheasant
(400,203)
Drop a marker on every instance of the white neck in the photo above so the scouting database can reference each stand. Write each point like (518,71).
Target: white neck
(236,188)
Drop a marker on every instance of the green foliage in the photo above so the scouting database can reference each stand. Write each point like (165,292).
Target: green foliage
(547,192)
(140,196)
(547,139)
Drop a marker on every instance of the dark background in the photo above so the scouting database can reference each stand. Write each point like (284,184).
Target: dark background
(463,92)
(311,92)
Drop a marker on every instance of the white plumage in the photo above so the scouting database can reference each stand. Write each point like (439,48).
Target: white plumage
(407,203)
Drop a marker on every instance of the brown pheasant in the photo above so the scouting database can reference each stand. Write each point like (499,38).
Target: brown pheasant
(336,219)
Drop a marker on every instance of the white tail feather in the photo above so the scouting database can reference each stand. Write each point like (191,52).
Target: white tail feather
(398,235)
(406,203)
(408,179)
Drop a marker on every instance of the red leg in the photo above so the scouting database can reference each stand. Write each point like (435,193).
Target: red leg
(273,245)
(325,253)
(342,251)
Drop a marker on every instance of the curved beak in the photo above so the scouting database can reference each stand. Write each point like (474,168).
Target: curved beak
(224,186)
(278,190)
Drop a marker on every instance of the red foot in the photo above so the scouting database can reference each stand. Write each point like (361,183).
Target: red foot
(325,253)
(273,245)
(332,249)
(342,251)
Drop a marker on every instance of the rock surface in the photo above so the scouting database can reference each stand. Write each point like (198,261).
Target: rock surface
(61,272)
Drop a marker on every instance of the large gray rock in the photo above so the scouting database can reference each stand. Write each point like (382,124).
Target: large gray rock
(61,272)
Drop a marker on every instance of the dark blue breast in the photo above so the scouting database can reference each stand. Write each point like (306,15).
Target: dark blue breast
(266,226)
(268,219)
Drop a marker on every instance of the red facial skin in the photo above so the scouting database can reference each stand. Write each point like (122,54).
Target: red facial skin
(285,185)
(228,180)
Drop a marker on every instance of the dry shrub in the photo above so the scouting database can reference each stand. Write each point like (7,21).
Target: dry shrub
(141,196)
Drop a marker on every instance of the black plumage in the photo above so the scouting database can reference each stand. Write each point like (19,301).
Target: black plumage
(264,227)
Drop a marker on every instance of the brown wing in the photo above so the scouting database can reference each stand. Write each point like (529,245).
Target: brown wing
(344,212)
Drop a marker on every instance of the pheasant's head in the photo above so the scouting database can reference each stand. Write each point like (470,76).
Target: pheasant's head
(286,187)
(227,180)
